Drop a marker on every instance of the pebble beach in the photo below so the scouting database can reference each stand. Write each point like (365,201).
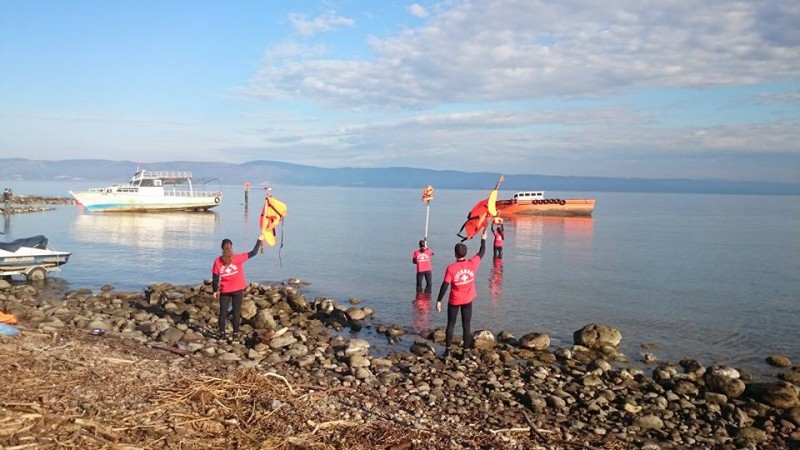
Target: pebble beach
(515,392)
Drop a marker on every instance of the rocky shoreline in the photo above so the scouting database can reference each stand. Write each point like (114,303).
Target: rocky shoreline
(34,203)
(508,392)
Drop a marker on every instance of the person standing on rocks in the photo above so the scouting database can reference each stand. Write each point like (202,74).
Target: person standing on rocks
(228,282)
(422,258)
(7,194)
(460,278)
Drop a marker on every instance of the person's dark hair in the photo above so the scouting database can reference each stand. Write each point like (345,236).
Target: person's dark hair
(227,251)
(461,250)
(422,243)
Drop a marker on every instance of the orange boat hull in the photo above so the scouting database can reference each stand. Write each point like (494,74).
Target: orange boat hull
(547,207)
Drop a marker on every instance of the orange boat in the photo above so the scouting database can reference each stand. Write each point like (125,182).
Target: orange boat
(533,203)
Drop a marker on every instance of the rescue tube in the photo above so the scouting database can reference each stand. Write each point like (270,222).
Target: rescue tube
(272,213)
(478,217)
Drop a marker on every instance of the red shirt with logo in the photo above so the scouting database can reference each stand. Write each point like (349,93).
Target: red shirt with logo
(461,276)
(423,260)
(498,238)
(231,276)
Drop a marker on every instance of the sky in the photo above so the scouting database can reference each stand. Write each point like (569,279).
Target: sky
(653,89)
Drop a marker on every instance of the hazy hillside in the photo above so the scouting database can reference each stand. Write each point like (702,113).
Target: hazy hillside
(295,174)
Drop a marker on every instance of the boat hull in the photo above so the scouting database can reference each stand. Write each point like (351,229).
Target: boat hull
(547,207)
(122,202)
(31,257)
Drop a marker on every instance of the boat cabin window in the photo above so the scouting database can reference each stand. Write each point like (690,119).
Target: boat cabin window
(150,183)
(528,195)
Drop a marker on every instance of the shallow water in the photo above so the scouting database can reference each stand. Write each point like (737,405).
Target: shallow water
(713,277)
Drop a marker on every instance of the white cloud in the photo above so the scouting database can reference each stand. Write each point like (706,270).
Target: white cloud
(329,21)
(418,10)
(510,50)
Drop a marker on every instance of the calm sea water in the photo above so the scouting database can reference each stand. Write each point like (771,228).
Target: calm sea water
(713,277)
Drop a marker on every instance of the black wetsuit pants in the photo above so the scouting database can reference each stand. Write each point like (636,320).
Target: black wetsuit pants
(466,319)
(225,301)
(498,252)
(427,275)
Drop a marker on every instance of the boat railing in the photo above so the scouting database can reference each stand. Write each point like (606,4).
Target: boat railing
(169,192)
(164,174)
(183,193)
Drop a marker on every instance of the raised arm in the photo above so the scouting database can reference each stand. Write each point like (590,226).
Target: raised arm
(254,251)
(482,250)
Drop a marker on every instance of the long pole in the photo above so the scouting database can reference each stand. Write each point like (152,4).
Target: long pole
(427,216)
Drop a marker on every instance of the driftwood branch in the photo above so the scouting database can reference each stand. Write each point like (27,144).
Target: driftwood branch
(275,375)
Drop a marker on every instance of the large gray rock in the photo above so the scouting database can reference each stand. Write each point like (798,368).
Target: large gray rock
(724,380)
(778,394)
(595,336)
(420,348)
(792,376)
(263,320)
(778,361)
(170,335)
(297,302)
(355,313)
(535,341)
(649,422)
(483,340)
(359,346)
(357,361)
(249,309)
(282,341)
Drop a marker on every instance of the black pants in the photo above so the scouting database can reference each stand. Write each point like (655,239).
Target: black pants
(466,319)
(224,301)
(427,276)
(498,252)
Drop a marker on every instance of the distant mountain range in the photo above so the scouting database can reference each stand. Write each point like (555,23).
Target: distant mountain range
(278,173)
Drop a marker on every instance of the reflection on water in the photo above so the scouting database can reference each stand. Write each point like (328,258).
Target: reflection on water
(578,237)
(186,230)
(530,233)
(526,233)
(422,311)
(496,283)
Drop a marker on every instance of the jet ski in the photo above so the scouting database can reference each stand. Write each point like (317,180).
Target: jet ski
(30,257)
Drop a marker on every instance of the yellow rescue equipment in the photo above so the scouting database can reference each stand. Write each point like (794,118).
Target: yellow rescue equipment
(272,213)
(478,217)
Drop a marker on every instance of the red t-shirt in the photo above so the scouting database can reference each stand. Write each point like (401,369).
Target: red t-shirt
(461,276)
(423,260)
(498,239)
(231,277)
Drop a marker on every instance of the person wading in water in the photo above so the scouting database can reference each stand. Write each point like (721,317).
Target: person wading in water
(422,258)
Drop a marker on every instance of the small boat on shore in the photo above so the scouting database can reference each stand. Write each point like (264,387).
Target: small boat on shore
(30,257)
(534,203)
(150,190)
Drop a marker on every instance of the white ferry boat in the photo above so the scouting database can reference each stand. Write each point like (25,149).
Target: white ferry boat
(150,190)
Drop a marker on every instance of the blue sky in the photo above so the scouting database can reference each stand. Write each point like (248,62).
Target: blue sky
(679,89)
